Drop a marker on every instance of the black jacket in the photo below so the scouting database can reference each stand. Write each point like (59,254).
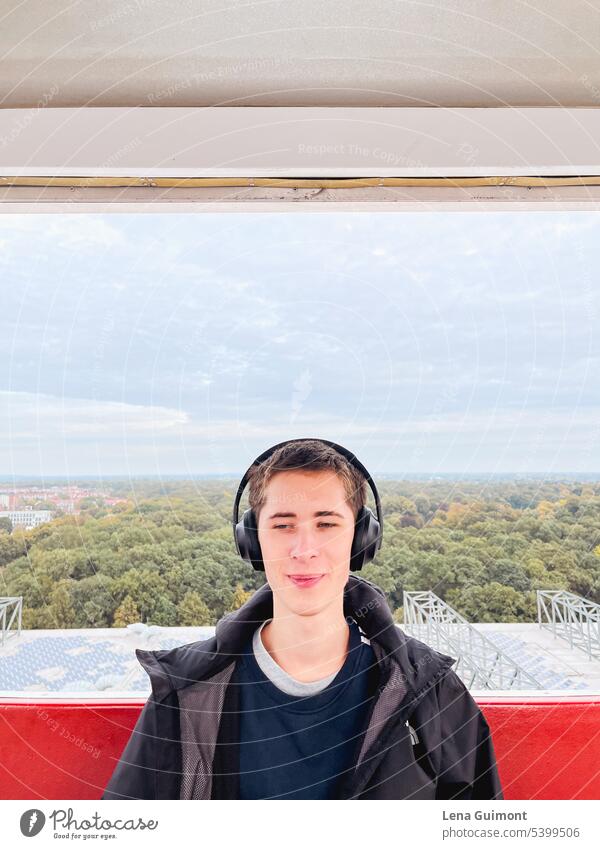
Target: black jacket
(425,738)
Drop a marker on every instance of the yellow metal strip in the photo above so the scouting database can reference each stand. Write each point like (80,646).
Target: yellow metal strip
(294,183)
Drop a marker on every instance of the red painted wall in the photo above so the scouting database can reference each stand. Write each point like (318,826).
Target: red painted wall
(546,749)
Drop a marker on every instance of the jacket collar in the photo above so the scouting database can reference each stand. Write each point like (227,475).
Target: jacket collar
(363,601)
(404,658)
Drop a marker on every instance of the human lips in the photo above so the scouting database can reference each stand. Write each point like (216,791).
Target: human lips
(300,580)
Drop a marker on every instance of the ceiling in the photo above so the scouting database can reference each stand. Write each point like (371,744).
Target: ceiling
(299,53)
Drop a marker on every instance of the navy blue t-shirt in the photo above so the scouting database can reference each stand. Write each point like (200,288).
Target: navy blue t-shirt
(298,747)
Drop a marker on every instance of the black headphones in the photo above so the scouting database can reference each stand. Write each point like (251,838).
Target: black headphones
(368,529)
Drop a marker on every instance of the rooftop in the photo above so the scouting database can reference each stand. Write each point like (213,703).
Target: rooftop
(102,660)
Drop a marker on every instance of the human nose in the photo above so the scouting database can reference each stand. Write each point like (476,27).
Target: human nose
(304,547)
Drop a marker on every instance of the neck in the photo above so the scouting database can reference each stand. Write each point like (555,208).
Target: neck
(307,647)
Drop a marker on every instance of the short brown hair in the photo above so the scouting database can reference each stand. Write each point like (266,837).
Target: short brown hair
(307,455)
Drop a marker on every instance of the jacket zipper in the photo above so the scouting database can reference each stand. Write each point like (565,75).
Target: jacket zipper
(413,733)
(409,708)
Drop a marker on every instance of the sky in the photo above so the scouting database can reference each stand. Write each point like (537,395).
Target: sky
(183,344)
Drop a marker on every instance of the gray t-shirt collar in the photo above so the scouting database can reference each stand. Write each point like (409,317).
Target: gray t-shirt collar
(279,676)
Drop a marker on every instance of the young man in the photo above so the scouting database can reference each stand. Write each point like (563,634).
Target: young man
(309,690)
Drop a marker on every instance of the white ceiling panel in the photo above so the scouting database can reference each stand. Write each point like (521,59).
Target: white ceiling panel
(299,53)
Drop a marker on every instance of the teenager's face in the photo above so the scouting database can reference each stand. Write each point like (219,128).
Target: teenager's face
(295,541)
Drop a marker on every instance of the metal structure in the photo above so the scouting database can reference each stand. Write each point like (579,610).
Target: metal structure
(480,662)
(11,609)
(571,617)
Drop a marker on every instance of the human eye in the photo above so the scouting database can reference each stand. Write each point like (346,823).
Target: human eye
(280,526)
(328,524)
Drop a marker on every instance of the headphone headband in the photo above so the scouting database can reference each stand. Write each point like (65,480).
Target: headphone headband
(368,531)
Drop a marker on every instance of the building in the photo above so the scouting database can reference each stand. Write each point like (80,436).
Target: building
(26,517)
(8,501)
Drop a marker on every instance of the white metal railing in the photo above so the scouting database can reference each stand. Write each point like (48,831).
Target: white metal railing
(571,617)
(11,609)
(480,662)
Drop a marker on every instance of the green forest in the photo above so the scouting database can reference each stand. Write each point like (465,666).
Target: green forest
(167,556)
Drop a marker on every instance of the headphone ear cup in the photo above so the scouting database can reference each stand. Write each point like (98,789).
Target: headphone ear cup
(357,559)
(252,545)
(367,539)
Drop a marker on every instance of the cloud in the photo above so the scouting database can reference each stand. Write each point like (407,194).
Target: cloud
(29,415)
(374,328)
(77,232)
